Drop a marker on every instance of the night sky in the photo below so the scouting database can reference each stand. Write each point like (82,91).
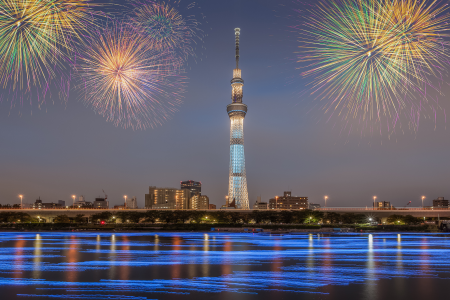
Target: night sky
(61,150)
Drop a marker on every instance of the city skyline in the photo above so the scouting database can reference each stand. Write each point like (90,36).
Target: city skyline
(62,150)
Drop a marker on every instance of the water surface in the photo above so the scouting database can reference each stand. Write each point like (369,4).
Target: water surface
(185,266)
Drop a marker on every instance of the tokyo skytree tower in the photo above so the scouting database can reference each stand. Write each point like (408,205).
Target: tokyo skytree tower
(237,183)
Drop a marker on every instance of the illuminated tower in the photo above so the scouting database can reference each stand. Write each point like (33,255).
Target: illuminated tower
(237,183)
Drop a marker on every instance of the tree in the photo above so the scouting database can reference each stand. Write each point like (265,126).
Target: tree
(79,218)
(273,216)
(22,217)
(182,215)
(361,219)
(151,216)
(9,217)
(257,216)
(332,218)
(103,216)
(221,216)
(198,216)
(234,216)
(135,216)
(62,219)
(166,216)
(286,217)
(395,219)
(349,218)
(409,219)
(16,206)
(245,218)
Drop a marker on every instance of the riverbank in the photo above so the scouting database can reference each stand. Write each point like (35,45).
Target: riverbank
(225,227)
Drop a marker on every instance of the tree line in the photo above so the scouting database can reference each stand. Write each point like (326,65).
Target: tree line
(218,216)
(256,216)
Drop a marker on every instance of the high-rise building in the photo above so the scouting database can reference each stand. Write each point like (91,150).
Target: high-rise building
(131,203)
(167,198)
(288,202)
(195,187)
(199,202)
(237,182)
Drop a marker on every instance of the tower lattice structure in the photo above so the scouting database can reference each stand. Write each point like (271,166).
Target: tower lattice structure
(237,185)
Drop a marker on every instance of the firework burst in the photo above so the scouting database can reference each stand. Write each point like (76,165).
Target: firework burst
(371,59)
(35,37)
(127,82)
(165,28)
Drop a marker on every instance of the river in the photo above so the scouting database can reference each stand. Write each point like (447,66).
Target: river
(194,265)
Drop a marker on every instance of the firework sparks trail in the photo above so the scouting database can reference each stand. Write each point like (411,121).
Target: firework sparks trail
(36,38)
(372,59)
(165,28)
(129,83)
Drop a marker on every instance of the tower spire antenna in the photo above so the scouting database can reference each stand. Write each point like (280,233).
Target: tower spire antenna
(237,180)
(237,33)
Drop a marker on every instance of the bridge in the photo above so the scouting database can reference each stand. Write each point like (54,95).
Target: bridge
(48,215)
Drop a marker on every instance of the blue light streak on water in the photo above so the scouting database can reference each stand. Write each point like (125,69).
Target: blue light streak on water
(251,263)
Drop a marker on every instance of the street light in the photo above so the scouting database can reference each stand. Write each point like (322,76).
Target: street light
(326,197)
(21,196)
(423,197)
(125,205)
(73,204)
(276,202)
(374,198)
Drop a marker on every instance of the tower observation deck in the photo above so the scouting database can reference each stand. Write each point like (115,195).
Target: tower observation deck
(237,182)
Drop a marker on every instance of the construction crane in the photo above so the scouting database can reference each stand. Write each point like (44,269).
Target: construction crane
(106,196)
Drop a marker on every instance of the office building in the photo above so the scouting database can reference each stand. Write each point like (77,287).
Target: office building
(101,203)
(212,206)
(382,205)
(199,202)
(195,187)
(167,198)
(38,204)
(82,203)
(131,203)
(237,179)
(288,202)
(440,202)
(260,205)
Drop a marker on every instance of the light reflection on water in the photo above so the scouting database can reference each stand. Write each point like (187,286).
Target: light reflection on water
(191,265)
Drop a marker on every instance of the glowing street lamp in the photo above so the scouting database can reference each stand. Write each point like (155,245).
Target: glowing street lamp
(423,197)
(125,204)
(276,202)
(374,198)
(21,196)
(326,197)
(73,204)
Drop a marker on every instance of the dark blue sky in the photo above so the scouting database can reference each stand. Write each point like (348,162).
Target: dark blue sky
(62,150)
